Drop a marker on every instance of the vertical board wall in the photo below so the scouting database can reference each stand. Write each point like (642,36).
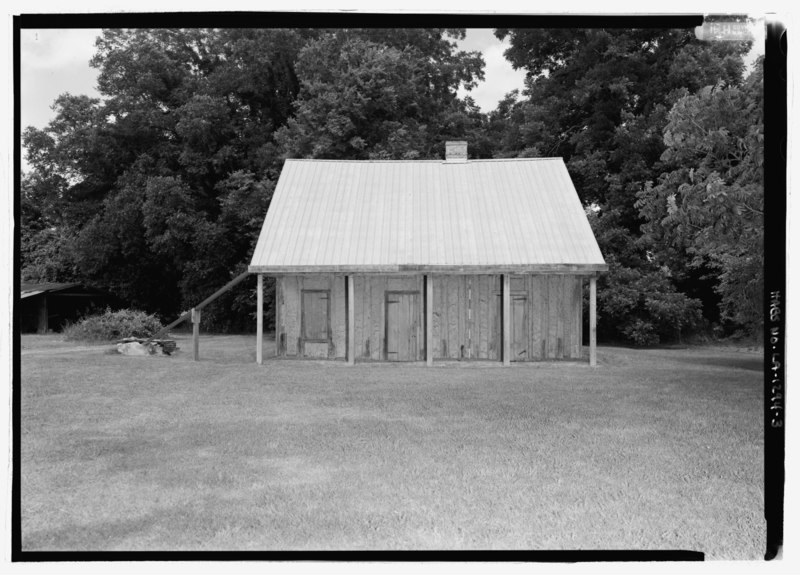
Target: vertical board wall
(370,309)
(466,323)
(467,316)
(555,316)
(288,316)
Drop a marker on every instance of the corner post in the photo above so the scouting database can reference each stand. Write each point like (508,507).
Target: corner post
(351,321)
(506,319)
(195,334)
(260,320)
(278,304)
(593,321)
(429,320)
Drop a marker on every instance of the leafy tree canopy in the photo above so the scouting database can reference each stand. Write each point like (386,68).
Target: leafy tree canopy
(598,98)
(708,202)
(157,191)
(380,94)
(636,114)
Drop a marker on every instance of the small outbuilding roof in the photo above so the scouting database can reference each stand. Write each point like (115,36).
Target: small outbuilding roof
(28,289)
(510,215)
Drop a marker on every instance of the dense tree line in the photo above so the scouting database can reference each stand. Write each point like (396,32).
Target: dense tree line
(157,190)
(663,136)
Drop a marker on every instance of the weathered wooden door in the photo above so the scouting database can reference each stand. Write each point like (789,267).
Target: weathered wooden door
(403,334)
(519,328)
(315,313)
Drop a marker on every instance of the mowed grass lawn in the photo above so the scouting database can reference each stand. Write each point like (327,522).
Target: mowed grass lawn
(655,449)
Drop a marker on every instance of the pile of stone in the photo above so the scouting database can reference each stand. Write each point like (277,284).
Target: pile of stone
(140,346)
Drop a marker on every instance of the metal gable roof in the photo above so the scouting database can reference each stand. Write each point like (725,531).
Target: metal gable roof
(350,216)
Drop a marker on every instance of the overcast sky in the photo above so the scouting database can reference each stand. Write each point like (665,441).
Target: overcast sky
(57,61)
(53,62)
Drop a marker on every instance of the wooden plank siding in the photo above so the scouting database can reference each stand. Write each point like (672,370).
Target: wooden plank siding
(465,317)
(506,314)
(351,321)
(339,316)
(467,311)
(483,305)
(289,316)
(370,313)
(428,320)
(403,326)
(461,317)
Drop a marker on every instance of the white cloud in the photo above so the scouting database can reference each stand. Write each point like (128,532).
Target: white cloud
(48,48)
(499,77)
(53,62)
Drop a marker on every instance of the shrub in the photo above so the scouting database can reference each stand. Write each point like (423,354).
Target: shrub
(112,325)
(641,332)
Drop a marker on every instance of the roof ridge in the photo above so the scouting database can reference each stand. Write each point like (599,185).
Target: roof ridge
(424,161)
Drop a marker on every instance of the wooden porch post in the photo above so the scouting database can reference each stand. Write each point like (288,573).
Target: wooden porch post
(260,320)
(278,307)
(429,319)
(506,319)
(195,334)
(593,321)
(351,321)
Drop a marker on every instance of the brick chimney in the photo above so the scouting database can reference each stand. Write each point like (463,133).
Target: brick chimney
(455,151)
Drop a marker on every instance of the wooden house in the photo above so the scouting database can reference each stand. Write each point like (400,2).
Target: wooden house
(426,260)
